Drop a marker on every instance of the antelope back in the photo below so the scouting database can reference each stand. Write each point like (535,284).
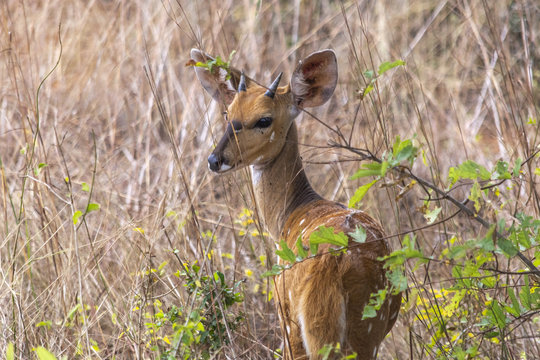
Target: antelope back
(259,118)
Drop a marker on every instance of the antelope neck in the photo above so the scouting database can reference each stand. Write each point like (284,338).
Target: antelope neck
(281,186)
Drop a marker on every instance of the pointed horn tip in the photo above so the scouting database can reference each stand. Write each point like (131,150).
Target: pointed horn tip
(272,89)
(242,84)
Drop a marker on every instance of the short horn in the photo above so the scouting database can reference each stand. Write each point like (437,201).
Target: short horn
(242,84)
(272,89)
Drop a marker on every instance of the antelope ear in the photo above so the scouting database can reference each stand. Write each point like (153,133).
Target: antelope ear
(314,79)
(216,82)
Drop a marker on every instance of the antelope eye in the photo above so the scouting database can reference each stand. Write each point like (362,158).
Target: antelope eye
(263,122)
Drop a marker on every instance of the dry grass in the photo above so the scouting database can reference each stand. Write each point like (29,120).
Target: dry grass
(469,87)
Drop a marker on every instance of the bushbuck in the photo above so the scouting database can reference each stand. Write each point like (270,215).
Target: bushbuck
(320,300)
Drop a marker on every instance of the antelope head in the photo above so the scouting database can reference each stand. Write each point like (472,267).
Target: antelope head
(259,118)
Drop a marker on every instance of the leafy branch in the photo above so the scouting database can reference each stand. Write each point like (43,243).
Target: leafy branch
(323,235)
(372,77)
(213,64)
(379,167)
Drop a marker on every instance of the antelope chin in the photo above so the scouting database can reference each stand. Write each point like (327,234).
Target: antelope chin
(222,169)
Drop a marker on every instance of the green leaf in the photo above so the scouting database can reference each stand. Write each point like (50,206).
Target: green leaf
(498,315)
(500,172)
(44,354)
(525,294)
(313,248)
(10,351)
(507,247)
(326,235)
(92,207)
(398,257)
(385,66)
(218,277)
(458,251)
(302,253)
(285,253)
(403,150)
(384,167)
(476,195)
(431,216)
(47,324)
(95,345)
(217,63)
(375,302)
(369,74)
(487,243)
(162,265)
(73,311)
(535,296)
(85,187)
(325,352)
(360,193)
(37,170)
(369,312)
(276,270)
(368,170)
(398,280)
(517,167)
(406,153)
(367,90)
(515,303)
(76,217)
(468,170)
(359,235)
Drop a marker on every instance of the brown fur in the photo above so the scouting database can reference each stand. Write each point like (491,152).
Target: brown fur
(347,281)
(320,300)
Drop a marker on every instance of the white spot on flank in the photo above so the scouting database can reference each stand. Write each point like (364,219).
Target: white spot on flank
(288,329)
(383,317)
(302,221)
(369,328)
(290,297)
(375,351)
(394,315)
(303,332)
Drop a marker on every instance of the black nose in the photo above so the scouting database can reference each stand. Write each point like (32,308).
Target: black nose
(214,162)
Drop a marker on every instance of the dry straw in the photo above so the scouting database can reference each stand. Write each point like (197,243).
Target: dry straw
(105,194)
